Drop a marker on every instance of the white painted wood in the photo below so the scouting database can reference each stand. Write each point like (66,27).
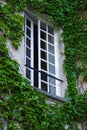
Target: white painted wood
(39,56)
(31,48)
(32,53)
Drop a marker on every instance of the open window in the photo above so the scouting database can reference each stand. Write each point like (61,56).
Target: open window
(42,55)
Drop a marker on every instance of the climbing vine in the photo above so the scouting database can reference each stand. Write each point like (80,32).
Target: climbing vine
(22,107)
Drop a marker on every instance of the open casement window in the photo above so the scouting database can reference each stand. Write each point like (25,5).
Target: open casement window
(42,61)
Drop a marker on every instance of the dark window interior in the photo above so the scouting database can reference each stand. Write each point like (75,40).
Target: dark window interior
(35,55)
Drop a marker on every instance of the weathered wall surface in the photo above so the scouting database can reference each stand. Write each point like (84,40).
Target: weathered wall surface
(63,85)
(18,55)
(82,86)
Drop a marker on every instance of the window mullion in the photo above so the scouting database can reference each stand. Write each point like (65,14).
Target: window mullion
(39,56)
(25,44)
(47,60)
(32,53)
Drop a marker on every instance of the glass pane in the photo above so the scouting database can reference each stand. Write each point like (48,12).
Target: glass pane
(28,62)
(28,73)
(43,55)
(51,80)
(50,39)
(52,90)
(51,49)
(43,35)
(44,86)
(28,42)
(43,26)
(51,59)
(28,32)
(28,52)
(43,65)
(28,23)
(50,30)
(43,76)
(43,45)
(52,69)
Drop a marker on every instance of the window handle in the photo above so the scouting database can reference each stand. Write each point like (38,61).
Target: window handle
(42,72)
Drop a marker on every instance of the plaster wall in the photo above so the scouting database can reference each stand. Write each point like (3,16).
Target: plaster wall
(82,86)
(63,85)
(17,55)
(3,1)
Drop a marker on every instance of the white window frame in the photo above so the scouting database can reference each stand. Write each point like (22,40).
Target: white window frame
(39,55)
(32,61)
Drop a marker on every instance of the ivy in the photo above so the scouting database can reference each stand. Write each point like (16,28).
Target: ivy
(22,107)
(11,26)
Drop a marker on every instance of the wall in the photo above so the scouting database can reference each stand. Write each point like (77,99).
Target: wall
(17,55)
(63,85)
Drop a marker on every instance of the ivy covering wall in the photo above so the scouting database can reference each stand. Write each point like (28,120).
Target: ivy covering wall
(22,107)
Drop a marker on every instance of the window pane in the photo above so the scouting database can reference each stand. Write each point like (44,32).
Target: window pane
(50,30)
(28,73)
(43,76)
(43,35)
(52,90)
(43,26)
(28,23)
(50,39)
(51,49)
(51,80)
(28,32)
(43,55)
(44,86)
(28,42)
(28,62)
(43,45)
(52,69)
(51,59)
(28,52)
(43,65)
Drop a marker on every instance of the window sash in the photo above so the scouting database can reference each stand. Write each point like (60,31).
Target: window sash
(52,84)
(50,56)
(29,57)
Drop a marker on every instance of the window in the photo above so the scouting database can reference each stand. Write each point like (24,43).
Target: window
(42,61)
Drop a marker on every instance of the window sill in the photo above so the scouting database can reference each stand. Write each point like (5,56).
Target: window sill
(54,97)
